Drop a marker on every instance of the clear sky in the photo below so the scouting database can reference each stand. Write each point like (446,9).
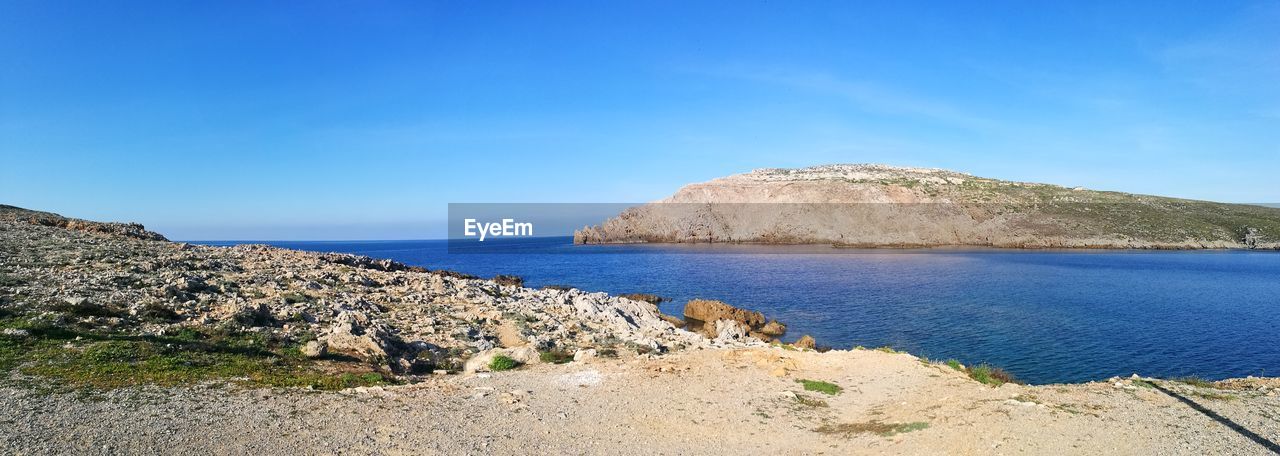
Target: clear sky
(359,120)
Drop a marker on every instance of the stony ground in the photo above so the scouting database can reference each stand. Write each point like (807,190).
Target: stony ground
(714,401)
(115,341)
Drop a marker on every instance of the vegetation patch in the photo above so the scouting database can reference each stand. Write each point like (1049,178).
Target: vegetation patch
(1195,381)
(821,387)
(988,375)
(955,364)
(70,359)
(84,308)
(809,401)
(502,362)
(871,427)
(555,356)
(1143,383)
(1211,395)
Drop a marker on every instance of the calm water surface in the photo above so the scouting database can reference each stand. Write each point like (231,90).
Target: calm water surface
(1046,316)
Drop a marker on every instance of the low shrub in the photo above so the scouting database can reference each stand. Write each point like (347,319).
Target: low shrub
(501,363)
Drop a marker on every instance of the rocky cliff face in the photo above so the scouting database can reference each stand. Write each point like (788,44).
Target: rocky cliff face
(887,206)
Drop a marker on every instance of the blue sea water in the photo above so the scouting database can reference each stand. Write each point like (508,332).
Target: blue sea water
(1046,316)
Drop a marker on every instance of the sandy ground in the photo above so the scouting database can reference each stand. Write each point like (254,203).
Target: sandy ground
(698,402)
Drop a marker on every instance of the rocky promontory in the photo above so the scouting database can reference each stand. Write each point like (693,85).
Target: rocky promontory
(887,206)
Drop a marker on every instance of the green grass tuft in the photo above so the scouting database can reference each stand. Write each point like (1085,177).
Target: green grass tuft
(988,375)
(955,364)
(821,386)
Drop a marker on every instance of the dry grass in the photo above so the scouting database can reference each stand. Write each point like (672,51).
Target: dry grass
(871,427)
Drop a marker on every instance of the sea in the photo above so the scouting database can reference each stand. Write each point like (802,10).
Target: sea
(1047,316)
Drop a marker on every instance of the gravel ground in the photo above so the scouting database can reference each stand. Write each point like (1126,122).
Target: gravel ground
(711,401)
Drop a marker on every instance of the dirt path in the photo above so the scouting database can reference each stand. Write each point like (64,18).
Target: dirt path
(712,401)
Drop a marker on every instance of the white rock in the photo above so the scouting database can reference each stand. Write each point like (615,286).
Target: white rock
(315,349)
(583,355)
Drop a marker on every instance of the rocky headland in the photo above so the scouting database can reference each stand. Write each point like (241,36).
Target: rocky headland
(887,206)
(114,340)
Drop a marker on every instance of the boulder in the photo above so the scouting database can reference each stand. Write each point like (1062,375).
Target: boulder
(703,313)
(245,313)
(354,334)
(806,341)
(315,349)
(524,355)
(773,329)
(583,355)
(729,330)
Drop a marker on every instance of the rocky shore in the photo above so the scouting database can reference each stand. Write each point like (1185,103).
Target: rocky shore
(881,206)
(401,320)
(114,340)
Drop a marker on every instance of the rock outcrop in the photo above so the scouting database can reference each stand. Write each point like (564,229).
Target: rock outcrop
(887,206)
(721,321)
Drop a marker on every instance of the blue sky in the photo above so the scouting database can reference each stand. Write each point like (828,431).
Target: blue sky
(362,120)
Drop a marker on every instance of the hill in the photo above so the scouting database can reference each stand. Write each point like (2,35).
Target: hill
(888,206)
